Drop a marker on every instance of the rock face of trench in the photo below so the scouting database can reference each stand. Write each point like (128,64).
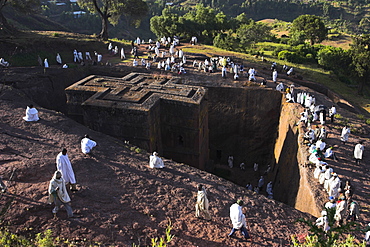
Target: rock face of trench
(252,124)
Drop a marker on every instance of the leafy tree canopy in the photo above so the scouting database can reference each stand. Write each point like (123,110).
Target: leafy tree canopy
(311,27)
(360,53)
(111,10)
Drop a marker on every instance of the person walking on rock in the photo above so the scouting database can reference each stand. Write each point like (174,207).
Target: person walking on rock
(58,194)
(202,203)
(238,220)
(65,167)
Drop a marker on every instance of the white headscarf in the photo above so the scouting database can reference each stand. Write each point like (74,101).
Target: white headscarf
(56,183)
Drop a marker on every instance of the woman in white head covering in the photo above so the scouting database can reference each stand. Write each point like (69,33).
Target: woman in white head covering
(59,195)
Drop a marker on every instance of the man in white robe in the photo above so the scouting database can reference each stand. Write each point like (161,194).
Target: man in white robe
(99,58)
(230,161)
(358,152)
(3,62)
(323,221)
(31,114)
(46,63)
(290,71)
(317,171)
(80,56)
(58,194)
(345,134)
(88,56)
(223,72)
(261,182)
(75,56)
(87,144)
(280,87)
(202,204)
(155,161)
(320,144)
(64,165)
(274,76)
(238,219)
(255,167)
(334,186)
(269,190)
(59,59)
(322,175)
(332,112)
(367,236)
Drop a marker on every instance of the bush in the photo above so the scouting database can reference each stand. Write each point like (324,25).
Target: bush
(8,239)
(368,121)
(277,50)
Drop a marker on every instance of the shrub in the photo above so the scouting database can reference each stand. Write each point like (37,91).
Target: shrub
(277,50)
(368,121)
(45,239)
(8,239)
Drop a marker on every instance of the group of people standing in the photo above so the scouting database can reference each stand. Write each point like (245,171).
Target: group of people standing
(340,195)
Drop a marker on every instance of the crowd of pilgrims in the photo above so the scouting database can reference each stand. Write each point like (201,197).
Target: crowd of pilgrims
(340,193)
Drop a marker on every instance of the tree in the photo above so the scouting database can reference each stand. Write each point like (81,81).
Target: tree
(312,28)
(111,10)
(360,53)
(252,33)
(24,6)
(166,24)
(333,58)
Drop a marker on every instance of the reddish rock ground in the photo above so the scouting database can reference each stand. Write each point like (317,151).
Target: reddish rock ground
(122,201)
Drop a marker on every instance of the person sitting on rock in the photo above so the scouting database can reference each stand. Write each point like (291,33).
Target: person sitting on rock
(87,144)
(3,62)
(155,161)
(31,114)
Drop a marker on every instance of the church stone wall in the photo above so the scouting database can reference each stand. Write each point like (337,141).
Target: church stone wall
(157,114)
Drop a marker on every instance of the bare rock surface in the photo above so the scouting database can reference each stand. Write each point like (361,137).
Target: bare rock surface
(122,200)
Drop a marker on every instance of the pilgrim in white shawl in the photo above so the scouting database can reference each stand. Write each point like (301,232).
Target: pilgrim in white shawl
(155,161)
(64,165)
(58,194)
(202,203)
(87,144)
(31,114)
